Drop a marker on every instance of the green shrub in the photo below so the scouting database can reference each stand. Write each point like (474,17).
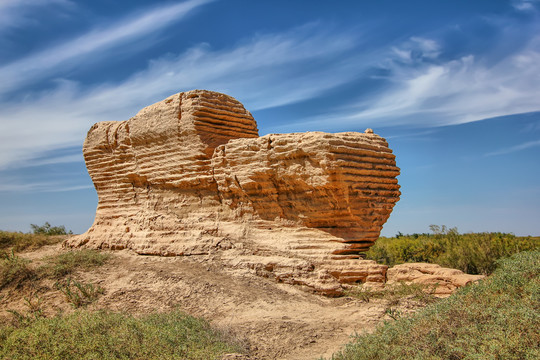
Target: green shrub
(473,253)
(14,270)
(35,311)
(494,319)
(47,229)
(42,235)
(19,241)
(107,335)
(422,294)
(78,293)
(64,264)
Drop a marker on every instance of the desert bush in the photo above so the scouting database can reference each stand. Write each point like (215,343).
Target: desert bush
(420,293)
(19,241)
(496,318)
(48,229)
(14,270)
(42,235)
(394,293)
(66,263)
(107,335)
(473,253)
(78,293)
(34,311)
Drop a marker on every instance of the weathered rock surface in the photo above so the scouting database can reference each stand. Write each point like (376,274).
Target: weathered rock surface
(190,176)
(442,281)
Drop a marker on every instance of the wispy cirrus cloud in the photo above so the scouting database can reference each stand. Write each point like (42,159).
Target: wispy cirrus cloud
(17,13)
(73,155)
(76,51)
(422,85)
(417,48)
(512,149)
(42,187)
(525,5)
(424,90)
(464,89)
(266,71)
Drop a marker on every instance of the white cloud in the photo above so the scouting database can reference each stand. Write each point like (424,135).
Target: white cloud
(429,48)
(42,187)
(415,50)
(416,135)
(16,13)
(403,54)
(430,91)
(274,70)
(65,159)
(55,59)
(524,5)
(512,149)
(267,71)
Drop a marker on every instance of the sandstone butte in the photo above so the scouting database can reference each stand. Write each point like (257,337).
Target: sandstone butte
(190,175)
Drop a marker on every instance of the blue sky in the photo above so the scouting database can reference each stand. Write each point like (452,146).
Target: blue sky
(454,86)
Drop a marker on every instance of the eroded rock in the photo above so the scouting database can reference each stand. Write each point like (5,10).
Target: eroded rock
(440,280)
(190,176)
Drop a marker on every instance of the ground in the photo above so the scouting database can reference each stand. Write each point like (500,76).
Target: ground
(274,320)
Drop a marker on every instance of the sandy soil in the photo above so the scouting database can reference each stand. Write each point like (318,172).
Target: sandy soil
(275,320)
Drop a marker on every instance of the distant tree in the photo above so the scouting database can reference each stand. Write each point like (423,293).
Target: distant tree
(436,229)
(443,230)
(47,229)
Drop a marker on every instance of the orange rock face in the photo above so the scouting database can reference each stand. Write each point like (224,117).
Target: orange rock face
(190,176)
(344,184)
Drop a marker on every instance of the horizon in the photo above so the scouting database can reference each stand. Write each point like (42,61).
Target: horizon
(453,86)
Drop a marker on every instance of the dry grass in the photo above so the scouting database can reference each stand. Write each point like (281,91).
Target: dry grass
(14,271)
(18,241)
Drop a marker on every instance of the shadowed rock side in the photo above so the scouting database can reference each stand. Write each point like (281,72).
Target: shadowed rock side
(190,176)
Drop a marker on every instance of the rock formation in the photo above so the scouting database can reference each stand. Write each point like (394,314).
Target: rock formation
(441,281)
(190,176)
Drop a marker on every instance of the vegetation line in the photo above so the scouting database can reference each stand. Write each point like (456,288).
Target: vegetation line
(472,253)
(495,319)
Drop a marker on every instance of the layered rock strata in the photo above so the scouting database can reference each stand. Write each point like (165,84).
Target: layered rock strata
(190,176)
